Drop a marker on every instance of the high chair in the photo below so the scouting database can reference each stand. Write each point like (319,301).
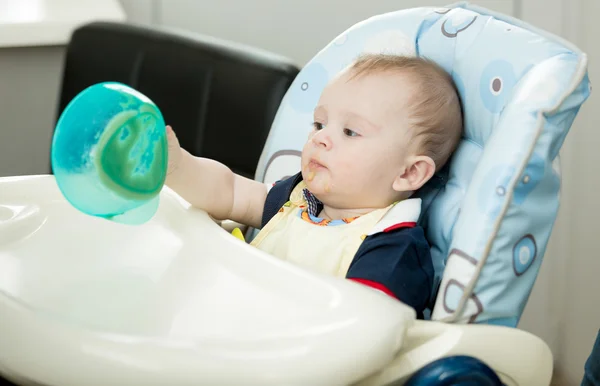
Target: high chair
(179,301)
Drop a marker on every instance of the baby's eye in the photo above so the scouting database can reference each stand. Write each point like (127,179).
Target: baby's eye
(350,133)
(318,126)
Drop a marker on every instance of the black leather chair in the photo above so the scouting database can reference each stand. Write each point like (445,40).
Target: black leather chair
(219,96)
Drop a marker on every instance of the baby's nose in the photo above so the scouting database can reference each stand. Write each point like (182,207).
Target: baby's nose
(322,139)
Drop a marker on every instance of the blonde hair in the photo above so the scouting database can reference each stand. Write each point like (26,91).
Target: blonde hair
(435,110)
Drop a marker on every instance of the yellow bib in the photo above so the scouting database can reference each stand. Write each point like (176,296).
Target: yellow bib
(325,249)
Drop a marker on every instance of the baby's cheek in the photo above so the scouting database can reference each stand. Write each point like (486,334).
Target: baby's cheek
(370,172)
(354,178)
(348,165)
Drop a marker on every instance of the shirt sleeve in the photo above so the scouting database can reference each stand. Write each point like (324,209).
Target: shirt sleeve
(278,195)
(398,263)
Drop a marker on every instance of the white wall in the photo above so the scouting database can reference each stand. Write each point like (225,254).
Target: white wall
(582,314)
(297,29)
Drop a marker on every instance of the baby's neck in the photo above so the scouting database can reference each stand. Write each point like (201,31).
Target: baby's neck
(330,213)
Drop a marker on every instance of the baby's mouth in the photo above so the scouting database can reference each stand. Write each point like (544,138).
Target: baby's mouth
(315,165)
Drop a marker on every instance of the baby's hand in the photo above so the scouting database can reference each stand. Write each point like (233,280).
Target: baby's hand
(175,151)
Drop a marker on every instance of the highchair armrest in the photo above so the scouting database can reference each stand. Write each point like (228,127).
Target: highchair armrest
(230,225)
(518,357)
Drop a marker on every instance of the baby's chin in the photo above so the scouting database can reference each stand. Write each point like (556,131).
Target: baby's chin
(318,182)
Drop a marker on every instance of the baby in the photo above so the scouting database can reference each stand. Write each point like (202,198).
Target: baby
(381,129)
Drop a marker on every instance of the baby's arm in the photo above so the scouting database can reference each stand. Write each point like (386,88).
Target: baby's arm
(211,186)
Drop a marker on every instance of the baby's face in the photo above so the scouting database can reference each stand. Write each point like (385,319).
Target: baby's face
(359,141)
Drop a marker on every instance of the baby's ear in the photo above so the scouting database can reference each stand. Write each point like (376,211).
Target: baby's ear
(419,169)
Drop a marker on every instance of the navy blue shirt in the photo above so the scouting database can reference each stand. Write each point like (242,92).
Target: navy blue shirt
(397,262)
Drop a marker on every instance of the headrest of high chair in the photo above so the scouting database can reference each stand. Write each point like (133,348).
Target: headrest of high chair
(489,214)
